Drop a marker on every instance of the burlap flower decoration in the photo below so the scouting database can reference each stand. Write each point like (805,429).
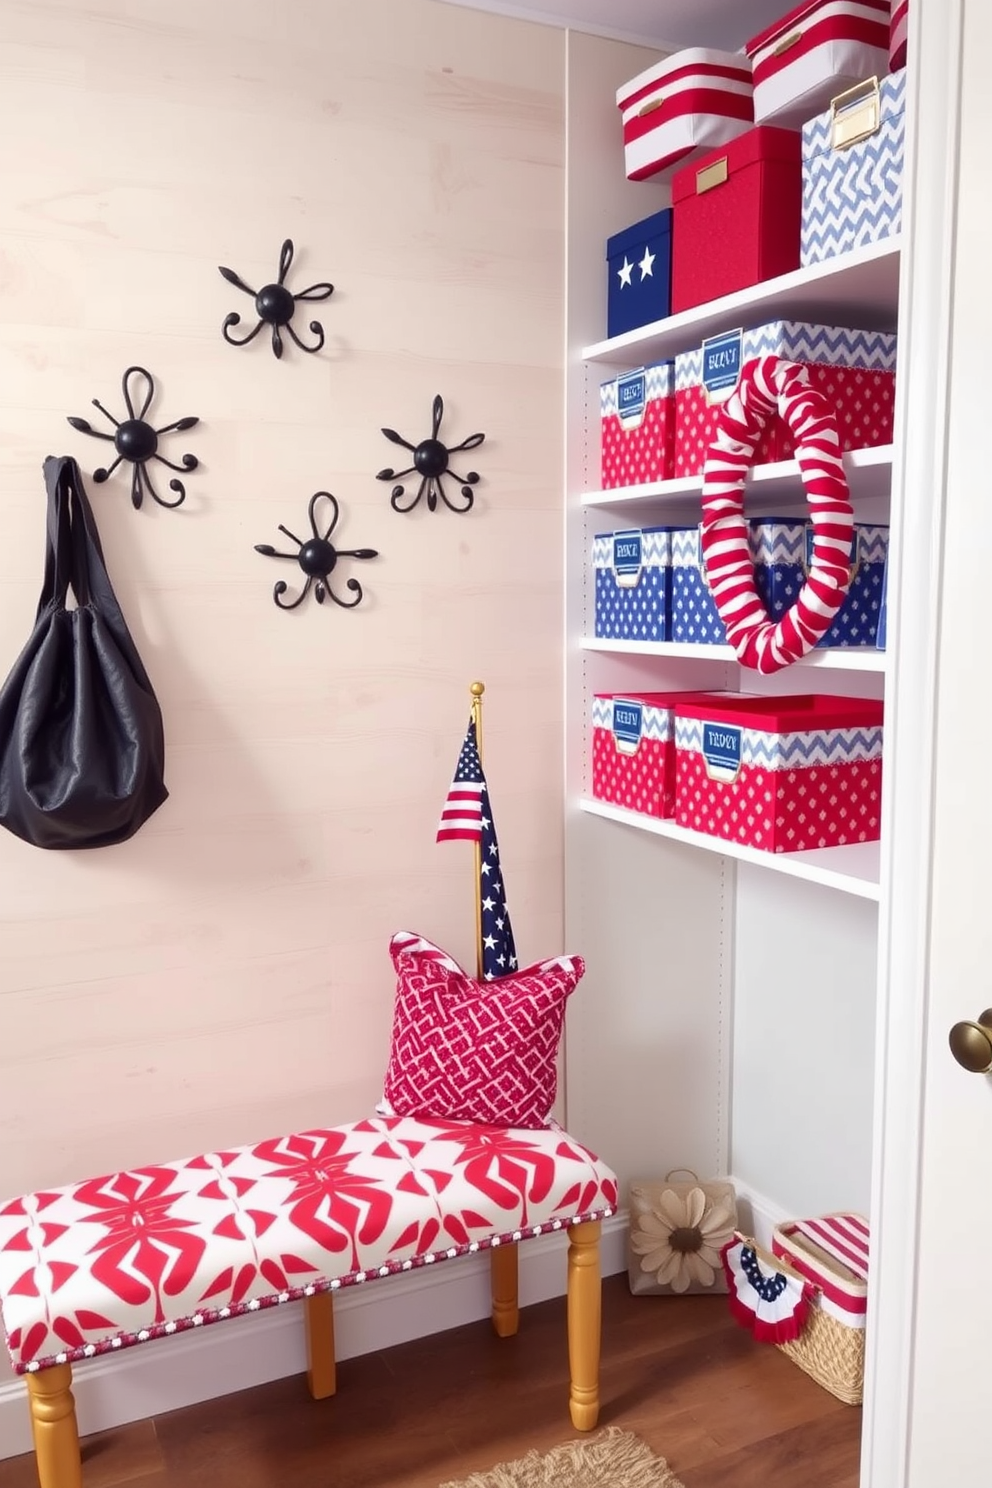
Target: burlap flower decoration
(679,1240)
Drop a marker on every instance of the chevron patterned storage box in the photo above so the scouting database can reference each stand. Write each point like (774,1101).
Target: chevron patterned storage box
(783,774)
(785,554)
(633,584)
(853,170)
(633,749)
(854,369)
(637,419)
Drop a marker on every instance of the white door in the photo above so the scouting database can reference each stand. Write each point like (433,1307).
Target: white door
(929,1385)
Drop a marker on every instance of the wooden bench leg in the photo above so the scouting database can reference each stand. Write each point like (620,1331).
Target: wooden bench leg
(503,1274)
(53,1422)
(321,1369)
(584,1315)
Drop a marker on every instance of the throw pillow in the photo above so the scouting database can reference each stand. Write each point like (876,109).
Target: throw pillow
(475,1051)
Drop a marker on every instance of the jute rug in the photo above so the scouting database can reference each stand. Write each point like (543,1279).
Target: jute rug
(610,1459)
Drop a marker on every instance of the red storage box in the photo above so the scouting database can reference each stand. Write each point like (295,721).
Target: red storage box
(815,52)
(633,748)
(855,370)
(737,216)
(781,774)
(898,28)
(637,419)
(689,102)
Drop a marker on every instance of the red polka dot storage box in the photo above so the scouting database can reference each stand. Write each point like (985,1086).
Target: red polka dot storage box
(814,52)
(855,370)
(737,215)
(853,167)
(637,419)
(782,774)
(687,103)
(633,569)
(633,749)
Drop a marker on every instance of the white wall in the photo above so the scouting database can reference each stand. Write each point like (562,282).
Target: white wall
(224,975)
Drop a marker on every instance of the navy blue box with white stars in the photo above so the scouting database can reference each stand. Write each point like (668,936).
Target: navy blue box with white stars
(640,274)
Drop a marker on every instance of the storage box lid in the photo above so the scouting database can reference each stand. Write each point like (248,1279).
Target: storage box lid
(763,144)
(803,12)
(691,62)
(792,714)
(817,133)
(657,226)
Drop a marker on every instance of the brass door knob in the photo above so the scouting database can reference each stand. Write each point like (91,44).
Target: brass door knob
(971,1044)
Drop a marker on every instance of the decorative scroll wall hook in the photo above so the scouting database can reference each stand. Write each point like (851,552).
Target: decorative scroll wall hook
(430,462)
(274,305)
(318,559)
(136,441)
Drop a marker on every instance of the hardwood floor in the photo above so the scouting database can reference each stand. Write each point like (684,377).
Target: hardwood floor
(726,1412)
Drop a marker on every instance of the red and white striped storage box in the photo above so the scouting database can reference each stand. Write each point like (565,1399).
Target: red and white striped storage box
(783,774)
(898,29)
(688,103)
(854,369)
(815,52)
(831,1253)
(633,749)
(637,420)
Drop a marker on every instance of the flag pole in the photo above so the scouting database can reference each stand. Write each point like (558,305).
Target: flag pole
(476,690)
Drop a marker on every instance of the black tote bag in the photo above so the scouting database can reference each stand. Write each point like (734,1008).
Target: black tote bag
(82,748)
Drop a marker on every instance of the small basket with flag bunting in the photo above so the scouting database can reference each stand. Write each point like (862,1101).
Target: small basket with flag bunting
(808,1297)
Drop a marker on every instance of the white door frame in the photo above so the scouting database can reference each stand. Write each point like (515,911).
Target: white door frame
(918,499)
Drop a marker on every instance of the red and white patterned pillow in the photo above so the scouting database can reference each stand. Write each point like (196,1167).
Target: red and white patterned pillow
(475,1051)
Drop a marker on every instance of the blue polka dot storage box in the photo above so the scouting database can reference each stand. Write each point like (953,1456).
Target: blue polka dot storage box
(633,569)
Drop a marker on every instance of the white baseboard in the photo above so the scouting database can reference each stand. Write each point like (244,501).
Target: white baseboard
(757,1215)
(246,1351)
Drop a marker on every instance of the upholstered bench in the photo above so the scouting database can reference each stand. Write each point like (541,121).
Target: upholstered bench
(97,1266)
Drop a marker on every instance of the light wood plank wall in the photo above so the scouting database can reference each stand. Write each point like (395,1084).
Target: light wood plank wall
(224,975)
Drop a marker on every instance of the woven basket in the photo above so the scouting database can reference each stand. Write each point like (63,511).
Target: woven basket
(832,1354)
(830,1351)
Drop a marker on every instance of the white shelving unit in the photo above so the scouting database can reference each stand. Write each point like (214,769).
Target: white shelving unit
(869,472)
(831,658)
(852,870)
(705,958)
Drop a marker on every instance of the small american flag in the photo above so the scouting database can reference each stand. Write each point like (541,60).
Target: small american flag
(467,817)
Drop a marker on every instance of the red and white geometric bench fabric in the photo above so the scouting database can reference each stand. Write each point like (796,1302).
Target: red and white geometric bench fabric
(99,1266)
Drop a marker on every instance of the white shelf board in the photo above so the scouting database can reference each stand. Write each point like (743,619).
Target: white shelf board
(831,658)
(861,286)
(869,473)
(853,869)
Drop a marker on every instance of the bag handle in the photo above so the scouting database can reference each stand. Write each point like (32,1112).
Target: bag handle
(75,557)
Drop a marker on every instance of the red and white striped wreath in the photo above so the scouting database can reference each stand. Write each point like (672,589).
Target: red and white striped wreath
(769,384)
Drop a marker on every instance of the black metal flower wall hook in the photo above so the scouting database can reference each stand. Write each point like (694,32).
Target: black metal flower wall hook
(274,305)
(137,441)
(430,462)
(318,559)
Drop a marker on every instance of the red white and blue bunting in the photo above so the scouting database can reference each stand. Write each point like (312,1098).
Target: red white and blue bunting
(771,1303)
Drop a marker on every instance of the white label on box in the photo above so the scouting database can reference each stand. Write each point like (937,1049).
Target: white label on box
(722,356)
